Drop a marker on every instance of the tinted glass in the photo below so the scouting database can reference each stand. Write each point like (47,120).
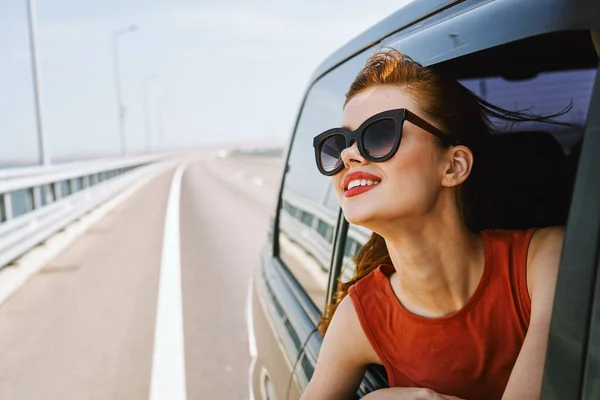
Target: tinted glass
(357,237)
(331,151)
(325,230)
(309,207)
(307,218)
(545,94)
(378,138)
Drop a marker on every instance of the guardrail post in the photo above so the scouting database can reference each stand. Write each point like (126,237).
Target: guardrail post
(2,218)
(8,213)
(37,197)
(57,191)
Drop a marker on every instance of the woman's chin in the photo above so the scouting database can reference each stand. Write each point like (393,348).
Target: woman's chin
(358,218)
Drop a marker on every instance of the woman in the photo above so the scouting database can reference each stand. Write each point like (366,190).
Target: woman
(450,312)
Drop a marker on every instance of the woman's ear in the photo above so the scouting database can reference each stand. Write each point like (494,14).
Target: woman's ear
(458,166)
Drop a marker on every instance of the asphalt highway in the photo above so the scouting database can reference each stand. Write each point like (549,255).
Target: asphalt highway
(84,326)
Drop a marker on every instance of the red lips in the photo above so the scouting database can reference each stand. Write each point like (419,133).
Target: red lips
(359,175)
(359,189)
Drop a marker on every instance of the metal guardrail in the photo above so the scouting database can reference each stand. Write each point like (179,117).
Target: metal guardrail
(37,202)
(21,172)
(311,225)
(275,151)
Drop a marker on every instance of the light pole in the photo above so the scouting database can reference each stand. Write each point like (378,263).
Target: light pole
(120,106)
(37,90)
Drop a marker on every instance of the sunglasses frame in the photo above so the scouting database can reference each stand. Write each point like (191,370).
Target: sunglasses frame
(398,116)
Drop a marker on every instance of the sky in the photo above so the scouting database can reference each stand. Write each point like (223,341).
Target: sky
(212,71)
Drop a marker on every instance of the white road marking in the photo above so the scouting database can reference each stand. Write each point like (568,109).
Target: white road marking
(168,363)
(250,321)
(251,338)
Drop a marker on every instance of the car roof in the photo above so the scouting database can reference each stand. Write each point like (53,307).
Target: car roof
(440,30)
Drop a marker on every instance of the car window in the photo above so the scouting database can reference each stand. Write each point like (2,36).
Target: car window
(309,206)
(544,94)
(357,237)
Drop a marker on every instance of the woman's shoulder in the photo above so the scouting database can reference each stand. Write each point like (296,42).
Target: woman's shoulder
(534,249)
(546,238)
(516,244)
(543,257)
(536,241)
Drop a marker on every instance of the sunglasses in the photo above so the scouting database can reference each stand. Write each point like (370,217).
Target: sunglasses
(378,139)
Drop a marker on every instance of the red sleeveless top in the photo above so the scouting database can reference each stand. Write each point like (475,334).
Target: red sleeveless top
(469,354)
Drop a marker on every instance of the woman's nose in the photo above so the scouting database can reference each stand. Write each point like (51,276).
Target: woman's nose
(351,155)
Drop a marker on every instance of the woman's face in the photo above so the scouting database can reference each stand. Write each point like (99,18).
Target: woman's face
(408,184)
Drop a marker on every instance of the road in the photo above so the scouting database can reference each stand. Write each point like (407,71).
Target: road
(83,328)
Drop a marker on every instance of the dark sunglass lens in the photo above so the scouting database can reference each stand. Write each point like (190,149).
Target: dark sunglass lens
(331,152)
(379,137)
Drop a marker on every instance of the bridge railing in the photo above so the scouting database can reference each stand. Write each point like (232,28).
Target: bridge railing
(36,202)
(311,225)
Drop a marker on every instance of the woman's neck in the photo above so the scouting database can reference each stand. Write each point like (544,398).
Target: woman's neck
(438,266)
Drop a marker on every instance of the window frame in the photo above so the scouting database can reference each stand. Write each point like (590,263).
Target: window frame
(572,315)
(591,389)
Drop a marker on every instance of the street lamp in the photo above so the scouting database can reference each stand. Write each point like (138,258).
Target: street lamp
(42,144)
(120,107)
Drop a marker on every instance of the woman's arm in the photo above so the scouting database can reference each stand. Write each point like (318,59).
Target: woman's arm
(343,358)
(525,381)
